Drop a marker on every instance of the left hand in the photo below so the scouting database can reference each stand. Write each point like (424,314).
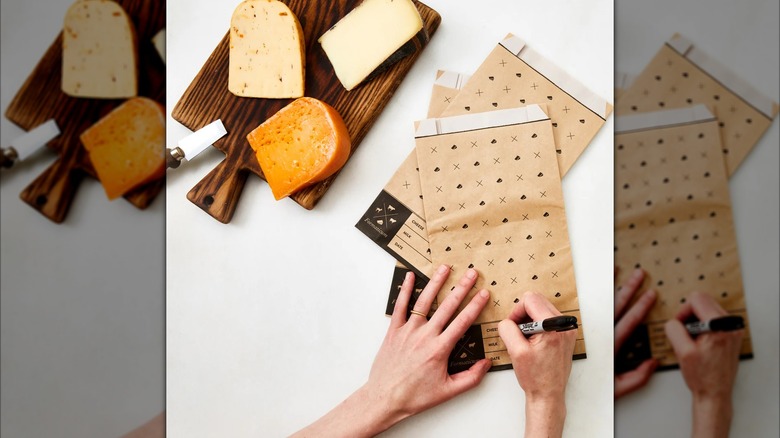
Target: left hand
(626,321)
(410,369)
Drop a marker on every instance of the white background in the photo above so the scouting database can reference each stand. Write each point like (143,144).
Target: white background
(276,317)
(743,36)
(82,317)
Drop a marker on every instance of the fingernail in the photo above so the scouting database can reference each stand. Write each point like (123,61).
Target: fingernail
(484,294)
(650,294)
(408,276)
(638,272)
(442,269)
(472,274)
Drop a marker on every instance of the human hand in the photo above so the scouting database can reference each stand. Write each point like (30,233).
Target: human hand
(409,374)
(542,364)
(708,363)
(626,322)
(410,369)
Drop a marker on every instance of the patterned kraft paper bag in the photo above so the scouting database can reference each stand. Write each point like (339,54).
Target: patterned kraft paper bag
(492,192)
(673,219)
(526,77)
(682,75)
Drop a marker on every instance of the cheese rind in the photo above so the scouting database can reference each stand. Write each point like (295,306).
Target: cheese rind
(267,53)
(99,51)
(127,146)
(371,34)
(304,143)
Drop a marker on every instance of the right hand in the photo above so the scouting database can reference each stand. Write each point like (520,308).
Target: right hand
(542,365)
(709,363)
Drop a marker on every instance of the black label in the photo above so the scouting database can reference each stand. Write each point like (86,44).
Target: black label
(468,350)
(383,219)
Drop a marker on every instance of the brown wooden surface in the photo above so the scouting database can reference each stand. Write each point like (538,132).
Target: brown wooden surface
(207,99)
(41,98)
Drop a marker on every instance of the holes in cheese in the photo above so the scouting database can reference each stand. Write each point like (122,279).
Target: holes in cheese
(372,37)
(127,146)
(267,55)
(304,143)
(99,53)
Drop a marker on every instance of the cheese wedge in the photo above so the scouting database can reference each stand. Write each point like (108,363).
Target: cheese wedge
(159,43)
(372,37)
(304,143)
(127,146)
(267,54)
(99,53)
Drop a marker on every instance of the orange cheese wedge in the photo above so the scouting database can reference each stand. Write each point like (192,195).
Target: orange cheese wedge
(304,143)
(127,146)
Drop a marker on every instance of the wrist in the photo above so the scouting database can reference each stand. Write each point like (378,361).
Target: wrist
(544,415)
(379,412)
(712,415)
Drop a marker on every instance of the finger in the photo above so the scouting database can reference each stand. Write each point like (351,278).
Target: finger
(465,380)
(633,317)
(538,307)
(625,292)
(631,381)
(465,318)
(423,304)
(685,312)
(518,313)
(681,340)
(402,302)
(705,307)
(513,337)
(450,305)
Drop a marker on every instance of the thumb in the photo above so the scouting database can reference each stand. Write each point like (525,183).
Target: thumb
(469,379)
(681,341)
(512,336)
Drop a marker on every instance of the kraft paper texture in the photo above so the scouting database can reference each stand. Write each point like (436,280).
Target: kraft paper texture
(673,219)
(681,75)
(513,75)
(493,201)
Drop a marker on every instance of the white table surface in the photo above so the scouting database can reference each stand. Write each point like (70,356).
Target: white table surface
(82,317)
(744,36)
(275,318)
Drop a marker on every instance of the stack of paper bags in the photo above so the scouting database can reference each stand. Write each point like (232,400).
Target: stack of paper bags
(683,126)
(482,189)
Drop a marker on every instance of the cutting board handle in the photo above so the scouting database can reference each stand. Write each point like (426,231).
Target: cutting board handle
(217,194)
(52,193)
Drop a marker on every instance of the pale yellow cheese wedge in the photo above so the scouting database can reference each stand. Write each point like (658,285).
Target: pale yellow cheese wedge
(267,52)
(99,51)
(159,43)
(372,36)
(127,146)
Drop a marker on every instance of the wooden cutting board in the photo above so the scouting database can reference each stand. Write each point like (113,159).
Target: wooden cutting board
(208,99)
(41,98)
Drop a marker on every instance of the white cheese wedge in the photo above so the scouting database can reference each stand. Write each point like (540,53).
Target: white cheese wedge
(99,52)
(368,36)
(159,43)
(267,53)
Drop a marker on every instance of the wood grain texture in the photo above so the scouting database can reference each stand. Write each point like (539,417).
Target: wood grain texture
(41,99)
(207,99)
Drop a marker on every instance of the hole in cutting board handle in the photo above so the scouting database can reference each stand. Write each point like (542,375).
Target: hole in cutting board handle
(41,200)
(208,200)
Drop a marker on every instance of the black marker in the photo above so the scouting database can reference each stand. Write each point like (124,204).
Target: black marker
(721,324)
(554,324)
